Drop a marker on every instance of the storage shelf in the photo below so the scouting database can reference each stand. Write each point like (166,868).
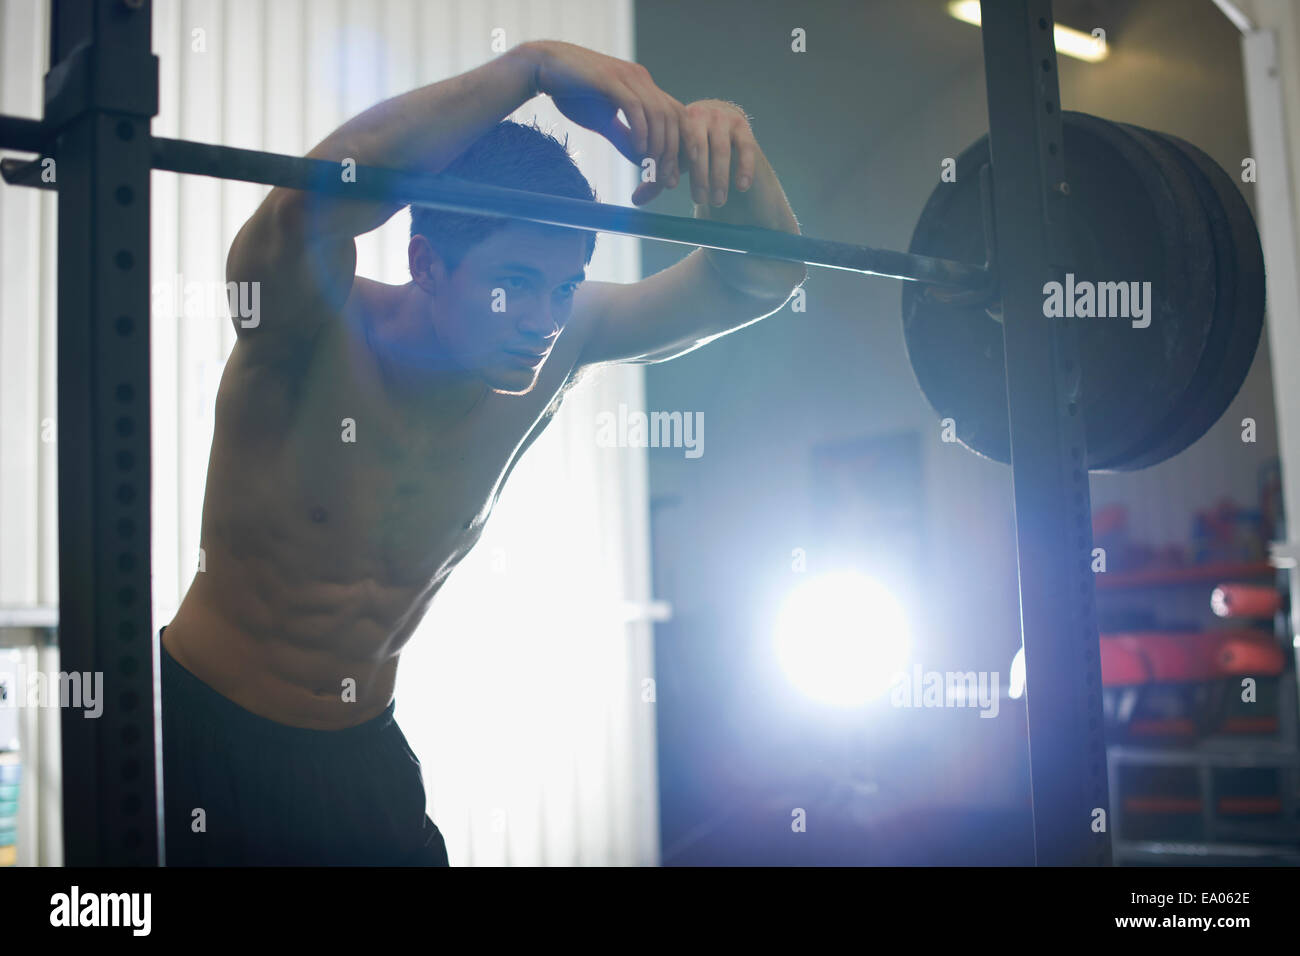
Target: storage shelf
(1189,574)
(1209,853)
(1250,755)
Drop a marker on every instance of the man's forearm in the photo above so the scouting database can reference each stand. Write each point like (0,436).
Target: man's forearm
(425,129)
(762,204)
(429,127)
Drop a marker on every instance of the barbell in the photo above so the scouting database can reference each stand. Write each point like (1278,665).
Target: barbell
(1157,232)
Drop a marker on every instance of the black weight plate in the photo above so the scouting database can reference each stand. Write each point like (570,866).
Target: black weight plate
(1197,228)
(1239,314)
(1125,223)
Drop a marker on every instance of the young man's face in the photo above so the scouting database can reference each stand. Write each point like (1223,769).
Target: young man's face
(499,312)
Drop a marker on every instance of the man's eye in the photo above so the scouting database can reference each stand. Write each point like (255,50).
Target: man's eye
(567,290)
(515,282)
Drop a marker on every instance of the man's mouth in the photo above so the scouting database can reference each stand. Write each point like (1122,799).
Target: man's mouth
(525,357)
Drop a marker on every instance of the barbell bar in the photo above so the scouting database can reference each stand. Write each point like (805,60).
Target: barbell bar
(458,195)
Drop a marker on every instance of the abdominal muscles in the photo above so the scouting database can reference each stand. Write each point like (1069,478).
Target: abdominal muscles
(320,558)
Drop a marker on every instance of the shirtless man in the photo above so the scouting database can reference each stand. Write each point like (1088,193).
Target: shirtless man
(323,554)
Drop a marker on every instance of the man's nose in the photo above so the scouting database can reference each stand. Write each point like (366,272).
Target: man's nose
(541,323)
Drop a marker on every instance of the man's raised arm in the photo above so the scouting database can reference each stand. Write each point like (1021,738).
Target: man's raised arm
(708,293)
(299,245)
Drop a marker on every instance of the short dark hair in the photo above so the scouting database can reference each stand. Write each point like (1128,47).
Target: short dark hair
(512,155)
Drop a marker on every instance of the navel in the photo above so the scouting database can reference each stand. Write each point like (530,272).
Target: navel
(319,515)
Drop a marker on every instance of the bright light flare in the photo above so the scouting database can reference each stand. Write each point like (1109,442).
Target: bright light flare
(841,638)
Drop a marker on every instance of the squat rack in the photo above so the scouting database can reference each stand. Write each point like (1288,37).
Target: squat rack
(100,96)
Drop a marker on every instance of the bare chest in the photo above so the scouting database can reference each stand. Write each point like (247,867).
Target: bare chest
(383,495)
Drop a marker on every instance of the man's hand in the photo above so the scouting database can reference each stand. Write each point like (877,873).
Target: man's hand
(719,149)
(716,142)
(590,88)
(711,139)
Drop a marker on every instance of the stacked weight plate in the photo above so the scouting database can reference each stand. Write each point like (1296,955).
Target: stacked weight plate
(1142,208)
(1239,306)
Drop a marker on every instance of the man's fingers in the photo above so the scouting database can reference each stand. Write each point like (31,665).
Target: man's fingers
(695,147)
(746,159)
(622,137)
(631,106)
(719,160)
(654,103)
(672,140)
(658,123)
(646,192)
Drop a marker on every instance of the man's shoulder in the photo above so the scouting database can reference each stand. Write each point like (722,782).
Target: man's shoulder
(370,298)
(591,306)
(262,392)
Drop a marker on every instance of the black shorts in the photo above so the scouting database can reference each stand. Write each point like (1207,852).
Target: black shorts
(276,795)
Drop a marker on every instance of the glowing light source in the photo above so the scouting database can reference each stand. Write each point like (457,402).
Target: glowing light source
(841,638)
(1075,43)
(1016,683)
